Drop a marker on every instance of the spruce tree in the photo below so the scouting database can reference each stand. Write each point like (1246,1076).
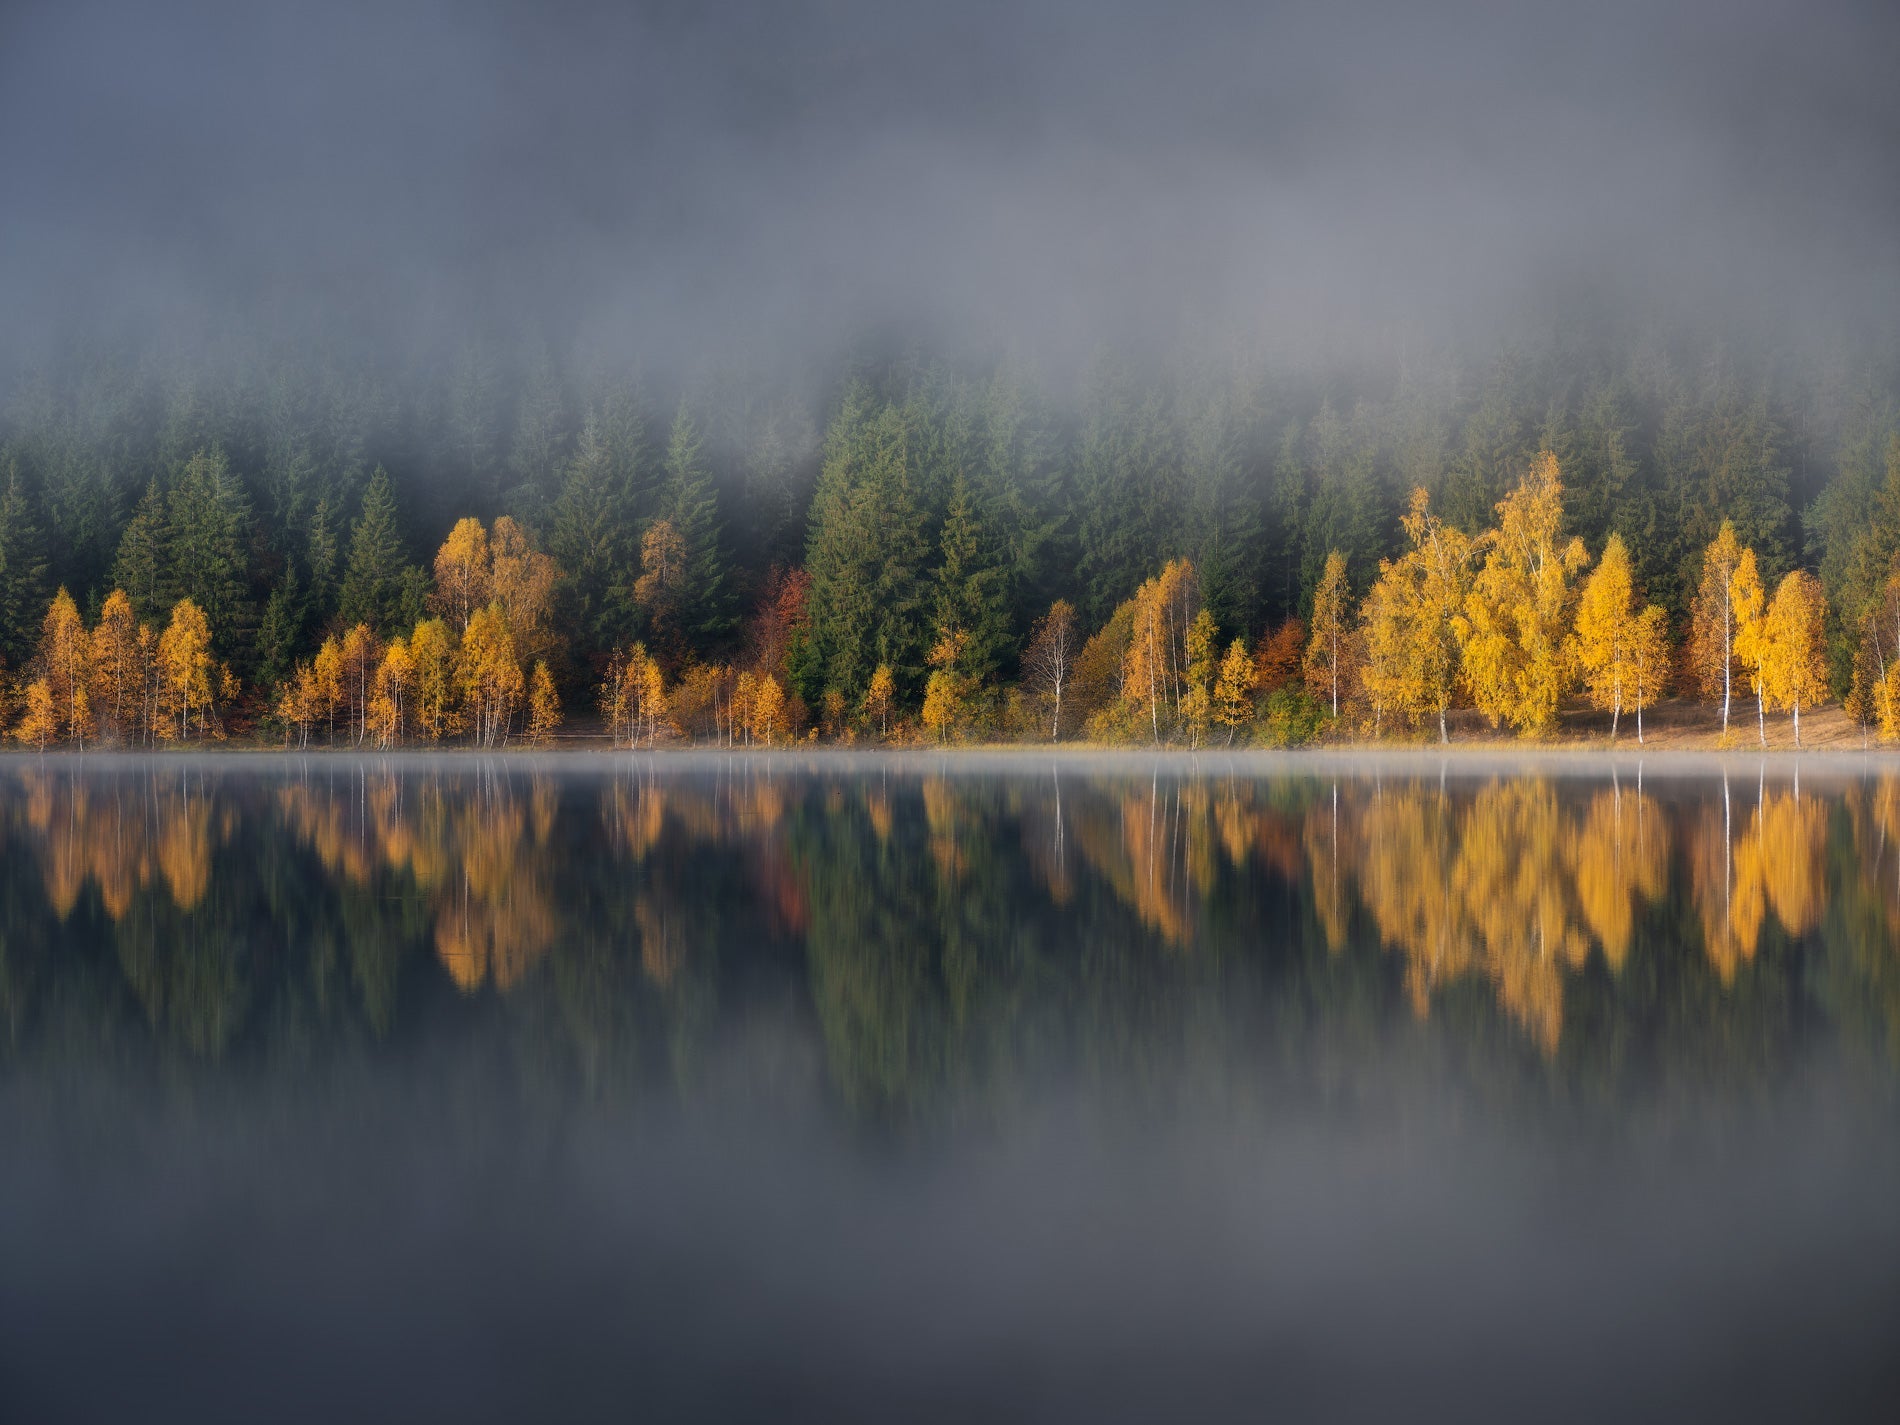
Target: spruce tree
(972,588)
(866,555)
(143,565)
(24,585)
(321,559)
(279,630)
(540,442)
(211,549)
(373,581)
(692,504)
(592,541)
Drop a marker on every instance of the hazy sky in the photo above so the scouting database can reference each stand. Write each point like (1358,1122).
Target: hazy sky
(779,176)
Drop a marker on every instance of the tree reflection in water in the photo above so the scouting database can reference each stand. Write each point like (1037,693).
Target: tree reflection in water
(942,931)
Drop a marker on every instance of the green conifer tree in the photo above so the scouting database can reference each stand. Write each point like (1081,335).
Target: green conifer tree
(373,581)
(24,584)
(143,565)
(691,502)
(211,550)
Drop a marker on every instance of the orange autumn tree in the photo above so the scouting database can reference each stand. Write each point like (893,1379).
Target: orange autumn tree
(189,679)
(1155,664)
(63,664)
(1514,634)
(119,659)
(461,574)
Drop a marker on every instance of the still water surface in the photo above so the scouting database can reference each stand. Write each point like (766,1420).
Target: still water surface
(1038,1088)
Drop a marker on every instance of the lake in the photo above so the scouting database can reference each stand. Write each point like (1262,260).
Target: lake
(917,1088)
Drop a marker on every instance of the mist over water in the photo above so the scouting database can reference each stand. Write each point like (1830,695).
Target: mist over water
(1042,1088)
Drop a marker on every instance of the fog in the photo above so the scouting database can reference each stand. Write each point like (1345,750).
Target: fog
(783,182)
(425,1251)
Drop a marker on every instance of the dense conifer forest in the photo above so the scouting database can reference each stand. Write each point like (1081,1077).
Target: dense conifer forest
(892,547)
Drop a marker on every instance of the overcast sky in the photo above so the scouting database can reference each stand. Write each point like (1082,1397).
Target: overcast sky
(676,178)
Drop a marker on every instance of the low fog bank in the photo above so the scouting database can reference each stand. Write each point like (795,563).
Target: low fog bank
(778,184)
(378,1261)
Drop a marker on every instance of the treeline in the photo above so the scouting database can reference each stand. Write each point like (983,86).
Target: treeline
(903,557)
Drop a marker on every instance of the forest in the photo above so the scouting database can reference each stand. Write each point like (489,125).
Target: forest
(1203,548)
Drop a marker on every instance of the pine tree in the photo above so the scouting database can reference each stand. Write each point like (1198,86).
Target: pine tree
(375,581)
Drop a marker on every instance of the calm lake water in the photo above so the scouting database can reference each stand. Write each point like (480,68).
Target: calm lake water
(897,1089)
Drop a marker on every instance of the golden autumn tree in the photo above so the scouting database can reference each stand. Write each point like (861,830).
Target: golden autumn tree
(880,699)
(432,649)
(39,724)
(662,570)
(297,704)
(768,707)
(1203,670)
(1514,634)
(633,700)
(1614,642)
(1233,693)
(358,657)
(523,581)
(118,669)
(544,706)
(189,679)
(1712,619)
(392,695)
(1389,675)
(744,692)
(1325,661)
(1154,664)
(462,573)
(1749,605)
(63,660)
(1794,646)
(1649,661)
(946,688)
(488,677)
(326,672)
(1411,628)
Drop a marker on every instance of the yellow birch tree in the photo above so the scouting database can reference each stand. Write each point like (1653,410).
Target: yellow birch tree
(1324,663)
(1749,605)
(1712,619)
(1794,654)
(1517,617)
